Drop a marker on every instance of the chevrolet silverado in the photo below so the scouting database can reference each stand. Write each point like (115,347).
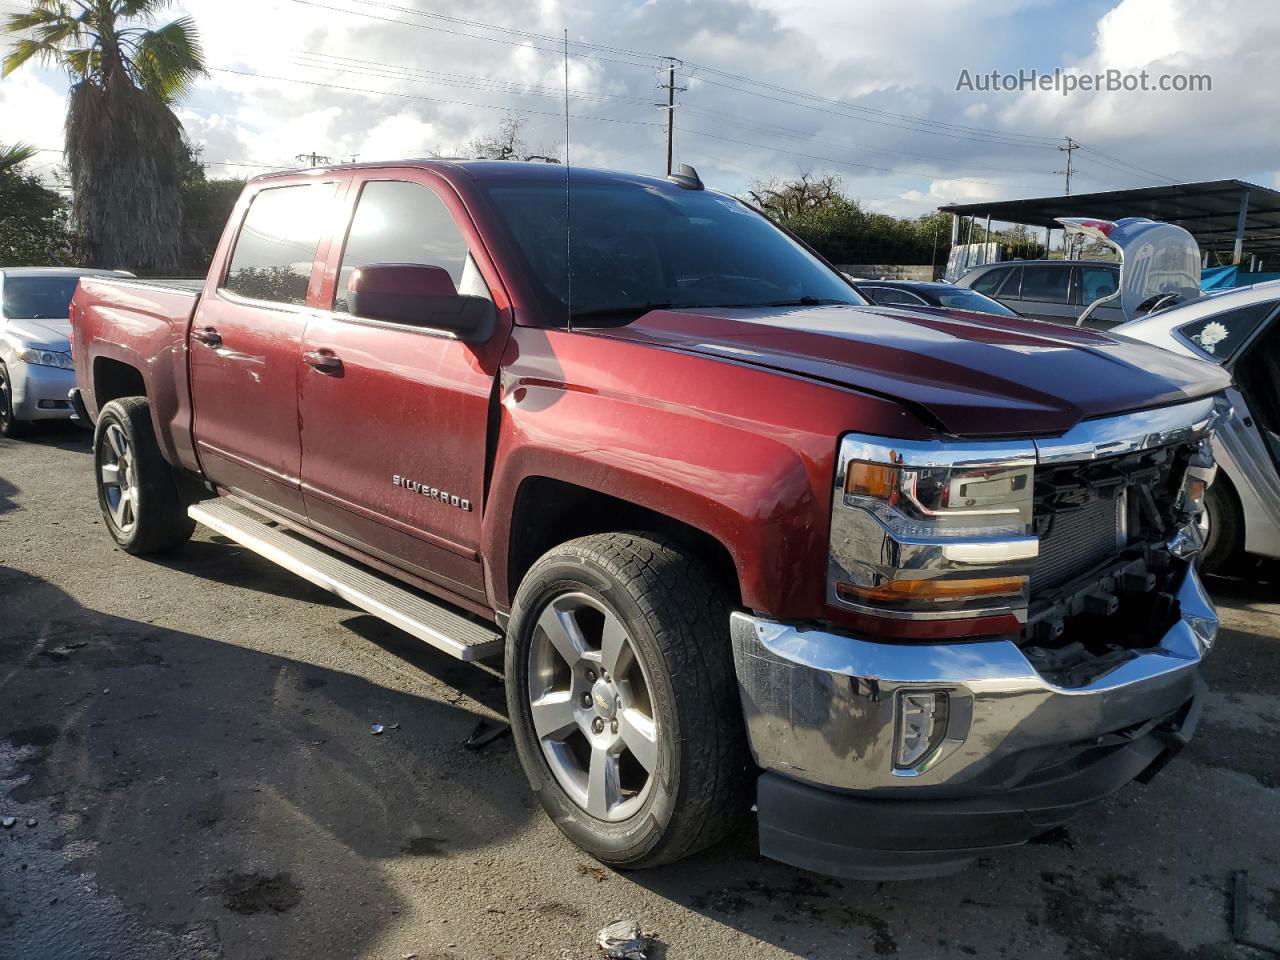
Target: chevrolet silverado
(916,584)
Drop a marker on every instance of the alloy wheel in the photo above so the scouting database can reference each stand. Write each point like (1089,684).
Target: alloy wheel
(116,475)
(6,408)
(591,703)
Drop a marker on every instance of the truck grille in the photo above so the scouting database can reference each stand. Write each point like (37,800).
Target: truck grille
(1076,540)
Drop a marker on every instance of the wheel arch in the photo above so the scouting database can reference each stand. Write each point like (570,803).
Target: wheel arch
(548,511)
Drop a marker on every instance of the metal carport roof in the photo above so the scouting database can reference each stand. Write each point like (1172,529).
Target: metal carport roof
(1225,216)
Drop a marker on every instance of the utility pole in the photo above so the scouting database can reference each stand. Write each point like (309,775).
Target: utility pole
(1070,148)
(313,159)
(670,105)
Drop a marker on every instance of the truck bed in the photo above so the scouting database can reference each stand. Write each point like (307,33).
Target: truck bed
(139,324)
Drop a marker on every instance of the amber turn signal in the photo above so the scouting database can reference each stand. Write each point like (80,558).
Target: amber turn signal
(898,590)
(871,480)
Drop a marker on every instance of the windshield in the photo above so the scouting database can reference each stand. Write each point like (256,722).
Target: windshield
(38,298)
(964,299)
(638,247)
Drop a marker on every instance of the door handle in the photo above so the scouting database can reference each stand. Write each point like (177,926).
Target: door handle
(324,361)
(208,336)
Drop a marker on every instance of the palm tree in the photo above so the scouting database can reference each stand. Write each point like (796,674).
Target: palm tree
(14,155)
(125,147)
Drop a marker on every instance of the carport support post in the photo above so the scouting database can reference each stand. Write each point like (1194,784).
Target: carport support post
(1048,235)
(1238,249)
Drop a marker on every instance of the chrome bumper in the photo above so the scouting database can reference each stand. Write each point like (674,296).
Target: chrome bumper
(822,707)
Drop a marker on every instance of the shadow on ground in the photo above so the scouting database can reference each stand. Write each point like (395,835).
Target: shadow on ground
(197,783)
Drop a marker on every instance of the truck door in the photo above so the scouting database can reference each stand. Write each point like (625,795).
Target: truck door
(395,416)
(245,342)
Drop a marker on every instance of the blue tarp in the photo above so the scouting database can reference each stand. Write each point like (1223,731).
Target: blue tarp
(1224,278)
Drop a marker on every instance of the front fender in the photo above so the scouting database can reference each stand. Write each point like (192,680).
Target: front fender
(742,454)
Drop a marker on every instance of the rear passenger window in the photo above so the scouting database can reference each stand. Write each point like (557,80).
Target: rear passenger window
(1047,284)
(277,243)
(1222,334)
(1097,282)
(401,222)
(989,281)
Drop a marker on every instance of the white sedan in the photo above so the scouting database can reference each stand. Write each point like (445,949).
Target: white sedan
(1239,329)
(35,348)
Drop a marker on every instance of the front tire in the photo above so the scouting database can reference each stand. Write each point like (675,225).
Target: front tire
(1222,526)
(10,426)
(623,699)
(137,489)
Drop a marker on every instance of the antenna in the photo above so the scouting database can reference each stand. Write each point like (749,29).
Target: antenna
(568,245)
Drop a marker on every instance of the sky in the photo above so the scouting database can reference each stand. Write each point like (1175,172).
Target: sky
(772,89)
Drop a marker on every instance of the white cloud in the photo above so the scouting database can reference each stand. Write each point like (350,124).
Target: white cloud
(422,84)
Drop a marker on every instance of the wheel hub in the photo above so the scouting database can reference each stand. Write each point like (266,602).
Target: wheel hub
(591,706)
(604,700)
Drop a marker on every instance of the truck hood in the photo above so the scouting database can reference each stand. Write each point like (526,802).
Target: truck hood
(48,333)
(967,374)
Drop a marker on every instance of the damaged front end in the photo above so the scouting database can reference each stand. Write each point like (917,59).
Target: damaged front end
(887,757)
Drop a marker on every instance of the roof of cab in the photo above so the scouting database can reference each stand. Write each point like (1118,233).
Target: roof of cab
(61,272)
(488,170)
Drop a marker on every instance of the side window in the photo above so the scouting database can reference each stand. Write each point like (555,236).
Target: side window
(1097,282)
(989,281)
(277,244)
(1047,284)
(1222,334)
(401,222)
(892,296)
(1011,289)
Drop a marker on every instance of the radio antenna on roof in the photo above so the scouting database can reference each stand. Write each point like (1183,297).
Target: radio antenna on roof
(568,244)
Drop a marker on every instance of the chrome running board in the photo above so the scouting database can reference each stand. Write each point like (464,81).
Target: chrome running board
(429,621)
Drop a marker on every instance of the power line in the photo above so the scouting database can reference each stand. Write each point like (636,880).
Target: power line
(412,96)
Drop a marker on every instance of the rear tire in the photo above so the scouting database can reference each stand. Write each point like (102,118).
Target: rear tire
(10,426)
(673,679)
(1224,539)
(137,489)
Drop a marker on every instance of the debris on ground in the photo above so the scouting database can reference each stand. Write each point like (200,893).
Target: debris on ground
(485,732)
(376,729)
(8,822)
(623,940)
(1240,915)
(31,822)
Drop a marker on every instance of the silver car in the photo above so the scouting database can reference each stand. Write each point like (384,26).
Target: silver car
(1239,329)
(35,349)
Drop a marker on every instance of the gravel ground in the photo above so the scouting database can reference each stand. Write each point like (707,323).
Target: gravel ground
(191,739)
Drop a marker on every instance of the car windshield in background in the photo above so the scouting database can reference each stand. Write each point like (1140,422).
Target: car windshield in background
(963,299)
(38,298)
(1224,333)
(637,248)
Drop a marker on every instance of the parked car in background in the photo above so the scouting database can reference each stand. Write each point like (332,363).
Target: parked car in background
(914,585)
(922,293)
(1240,330)
(35,351)
(1054,290)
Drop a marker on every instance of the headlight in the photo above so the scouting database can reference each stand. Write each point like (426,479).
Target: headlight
(44,358)
(924,532)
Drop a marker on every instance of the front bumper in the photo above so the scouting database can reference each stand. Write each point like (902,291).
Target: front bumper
(1019,754)
(39,392)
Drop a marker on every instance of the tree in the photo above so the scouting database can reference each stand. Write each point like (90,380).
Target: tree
(125,148)
(33,218)
(14,155)
(507,144)
(206,207)
(790,199)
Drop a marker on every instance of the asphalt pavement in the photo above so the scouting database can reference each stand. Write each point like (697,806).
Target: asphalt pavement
(186,751)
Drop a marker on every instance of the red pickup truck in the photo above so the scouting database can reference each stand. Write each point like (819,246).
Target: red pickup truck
(917,583)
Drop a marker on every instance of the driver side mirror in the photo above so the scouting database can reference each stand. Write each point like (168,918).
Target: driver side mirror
(419,295)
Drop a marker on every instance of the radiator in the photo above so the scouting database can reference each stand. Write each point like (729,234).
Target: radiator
(1075,541)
